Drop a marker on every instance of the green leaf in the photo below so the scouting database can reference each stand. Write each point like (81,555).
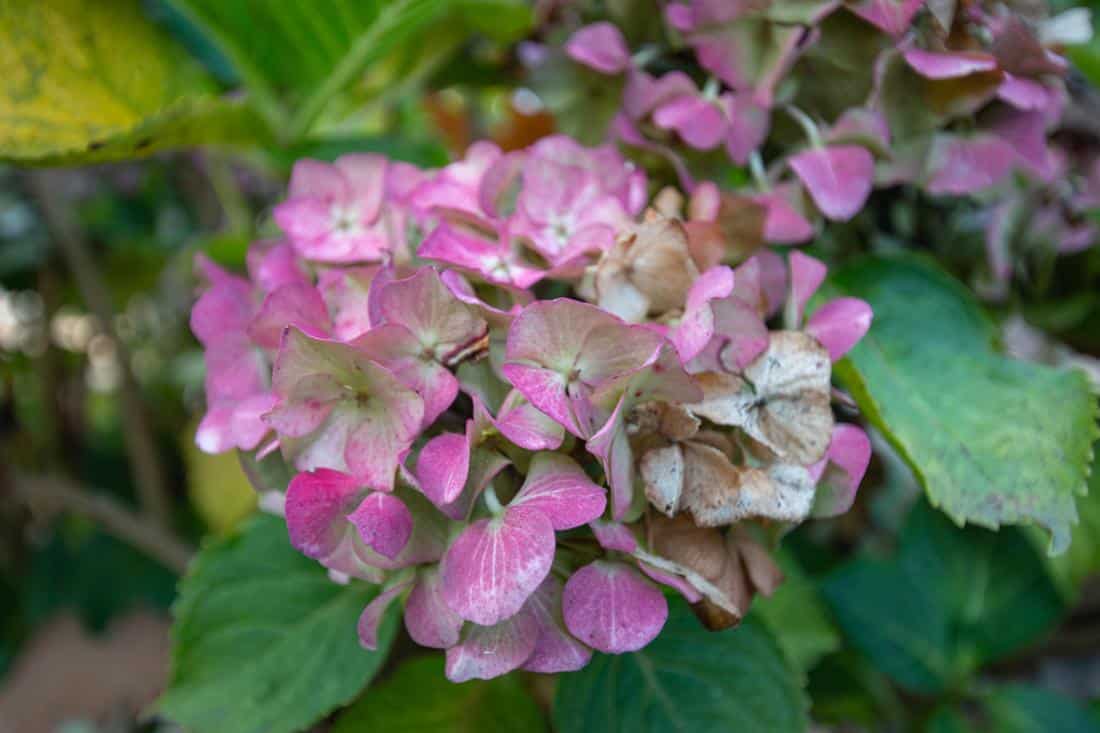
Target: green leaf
(297,55)
(1025,709)
(263,641)
(419,698)
(689,679)
(1082,560)
(993,441)
(797,617)
(86,80)
(949,601)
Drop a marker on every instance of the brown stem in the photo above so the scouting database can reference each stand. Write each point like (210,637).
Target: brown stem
(41,492)
(138,434)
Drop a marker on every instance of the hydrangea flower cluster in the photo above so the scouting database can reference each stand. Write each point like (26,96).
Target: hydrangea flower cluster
(523,405)
(845,97)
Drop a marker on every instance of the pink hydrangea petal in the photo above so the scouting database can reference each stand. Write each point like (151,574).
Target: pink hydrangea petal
(495,564)
(680,585)
(486,652)
(546,390)
(611,445)
(839,325)
(697,325)
(555,649)
(749,123)
(384,523)
(700,123)
(428,619)
(222,311)
(399,350)
(644,93)
(522,423)
(740,335)
(680,16)
(317,503)
(307,221)
(935,65)
(783,224)
(317,179)
(600,46)
(372,416)
(272,264)
(425,306)
(614,536)
(861,124)
(613,608)
(371,618)
(560,489)
(961,165)
(296,304)
(1023,93)
(1026,133)
(773,280)
(442,467)
(807,274)
(501,184)
(850,449)
(346,292)
(838,178)
(427,543)
(890,16)
(383,436)
(365,174)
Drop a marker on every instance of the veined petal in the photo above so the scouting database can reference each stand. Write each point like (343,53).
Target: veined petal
(560,489)
(555,649)
(495,564)
(317,503)
(442,467)
(523,424)
(384,523)
(490,651)
(613,608)
(428,619)
(372,615)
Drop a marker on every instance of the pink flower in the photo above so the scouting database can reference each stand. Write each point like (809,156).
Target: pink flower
(492,568)
(838,324)
(334,212)
(566,211)
(562,353)
(236,389)
(600,46)
(838,178)
(423,329)
(339,408)
(612,607)
(333,519)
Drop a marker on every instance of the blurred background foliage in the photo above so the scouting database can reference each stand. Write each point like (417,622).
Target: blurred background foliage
(891,612)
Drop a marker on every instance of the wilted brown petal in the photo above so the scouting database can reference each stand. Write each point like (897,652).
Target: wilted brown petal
(662,471)
(783,401)
(716,492)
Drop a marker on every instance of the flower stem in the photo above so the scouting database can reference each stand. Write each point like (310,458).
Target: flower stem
(492,502)
(807,125)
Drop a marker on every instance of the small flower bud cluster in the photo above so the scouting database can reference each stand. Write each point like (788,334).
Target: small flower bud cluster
(522,405)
